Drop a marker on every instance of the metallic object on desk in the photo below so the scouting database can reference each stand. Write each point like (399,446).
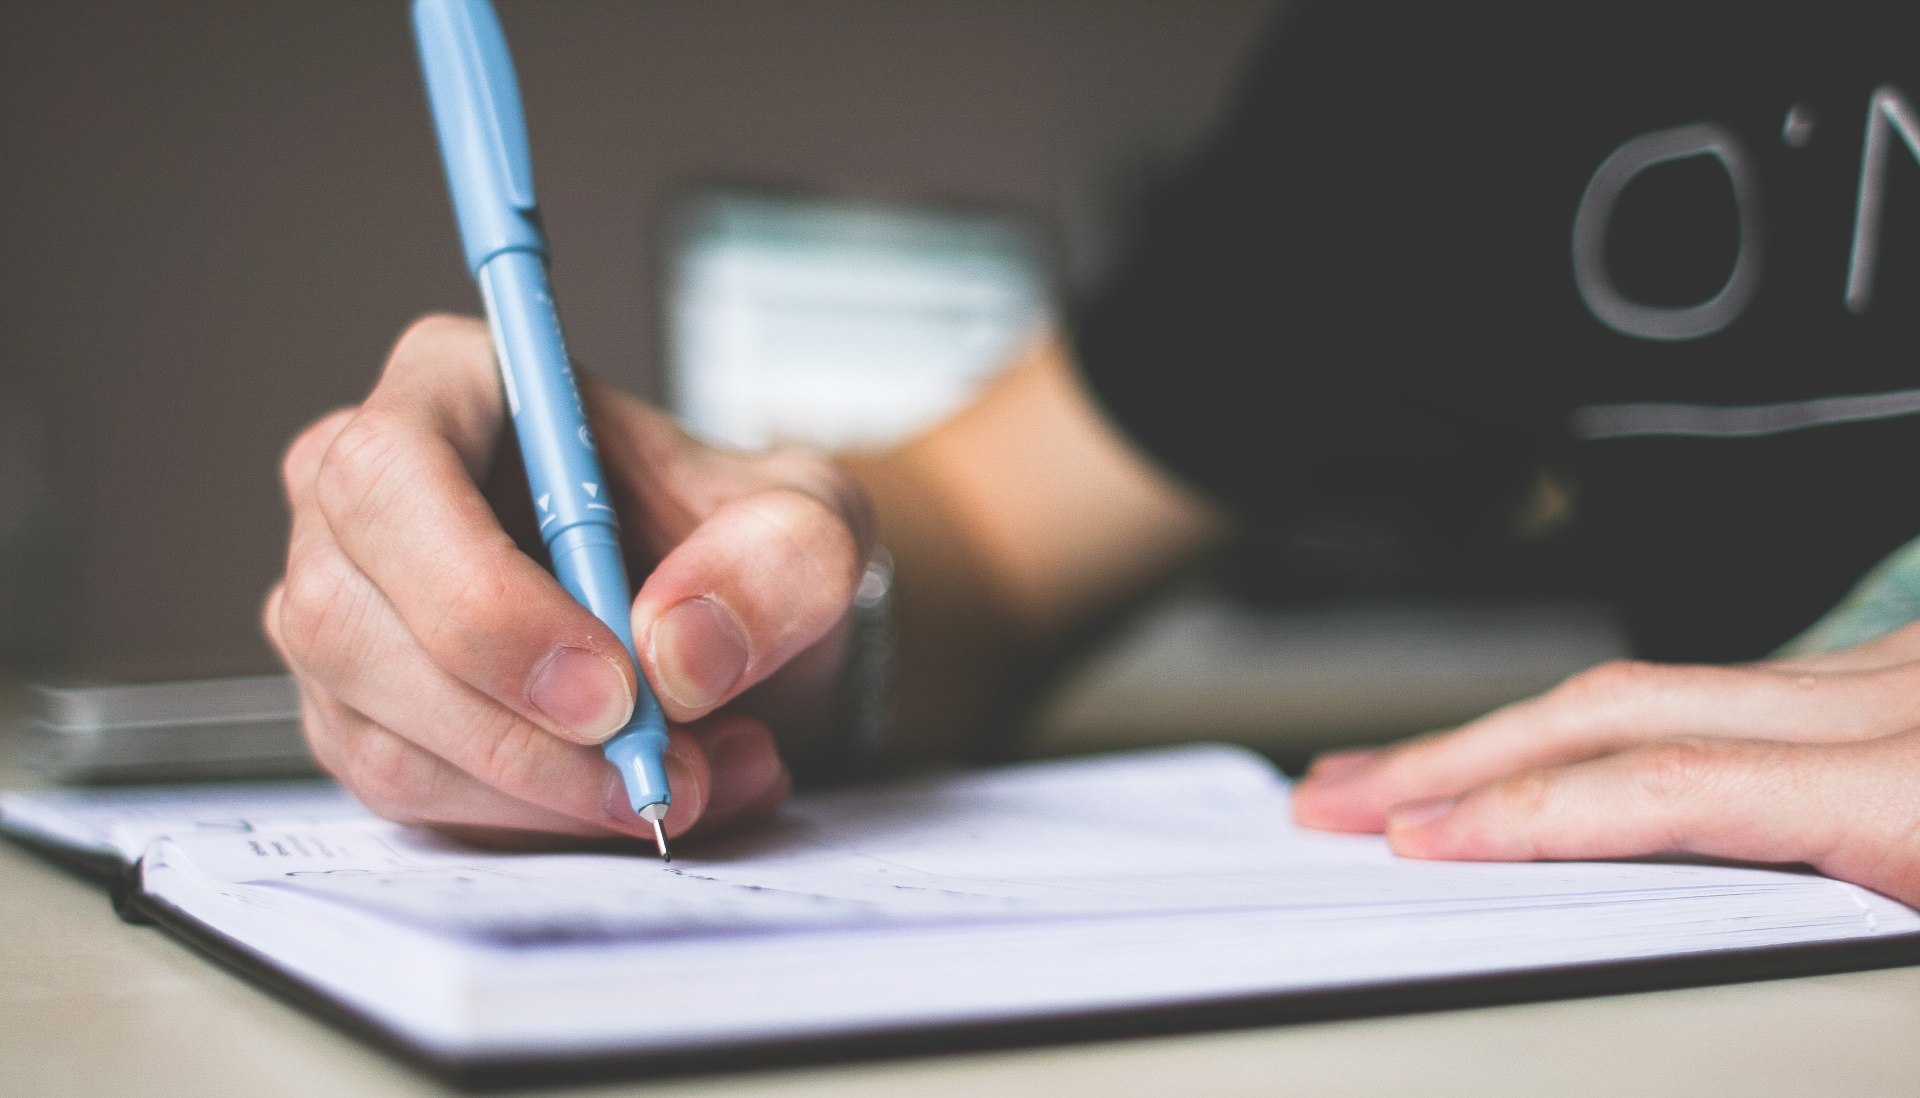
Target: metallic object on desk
(209,729)
(857,729)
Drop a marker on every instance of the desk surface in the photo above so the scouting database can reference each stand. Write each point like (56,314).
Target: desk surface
(89,1006)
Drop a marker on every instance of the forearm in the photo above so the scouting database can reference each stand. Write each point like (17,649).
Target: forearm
(1012,526)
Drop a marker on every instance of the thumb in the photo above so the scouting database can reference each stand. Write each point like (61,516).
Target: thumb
(762,578)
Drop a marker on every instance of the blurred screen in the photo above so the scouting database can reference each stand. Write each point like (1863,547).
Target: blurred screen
(843,324)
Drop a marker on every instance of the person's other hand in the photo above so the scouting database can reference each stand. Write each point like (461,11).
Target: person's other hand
(1810,760)
(447,678)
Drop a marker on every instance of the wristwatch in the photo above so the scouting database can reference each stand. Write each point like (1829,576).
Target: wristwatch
(861,719)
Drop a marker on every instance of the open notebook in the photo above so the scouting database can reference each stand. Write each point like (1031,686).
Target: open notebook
(1115,888)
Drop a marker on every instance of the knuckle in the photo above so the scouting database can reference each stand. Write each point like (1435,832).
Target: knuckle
(388,771)
(1674,770)
(361,456)
(478,610)
(300,464)
(510,756)
(1609,679)
(315,605)
(1527,793)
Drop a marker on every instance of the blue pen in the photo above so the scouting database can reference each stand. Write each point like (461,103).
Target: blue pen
(483,138)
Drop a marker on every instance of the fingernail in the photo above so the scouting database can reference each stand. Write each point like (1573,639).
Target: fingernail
(618,808)
(1420,813)
(1336,765)
(699,651)
(582,693)
(689,800)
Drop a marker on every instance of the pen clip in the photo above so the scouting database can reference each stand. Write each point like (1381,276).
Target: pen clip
(480,123)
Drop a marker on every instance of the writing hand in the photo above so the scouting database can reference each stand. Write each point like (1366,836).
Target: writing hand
(1810,760)
(446,677)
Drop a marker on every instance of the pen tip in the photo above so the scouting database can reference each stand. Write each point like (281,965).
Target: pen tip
(660,840)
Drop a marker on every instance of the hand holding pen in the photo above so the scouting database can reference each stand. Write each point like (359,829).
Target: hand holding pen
(758,556)
(447,678)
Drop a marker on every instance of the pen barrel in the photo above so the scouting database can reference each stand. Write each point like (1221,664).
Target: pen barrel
(587,562)
(549,418)
(477,115)
(586,559)
(481,127)
(570,497)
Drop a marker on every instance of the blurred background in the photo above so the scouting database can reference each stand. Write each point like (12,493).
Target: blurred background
(826,220)
(219,213)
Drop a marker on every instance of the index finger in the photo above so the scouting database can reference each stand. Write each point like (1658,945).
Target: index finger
(1613,707)
(1847,809)
(398,492)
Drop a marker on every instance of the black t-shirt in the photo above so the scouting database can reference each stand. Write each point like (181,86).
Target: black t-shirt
(1437,248)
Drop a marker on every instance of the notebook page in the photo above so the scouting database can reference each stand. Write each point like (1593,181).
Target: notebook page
(1181,830)
(1026,891)
(121,821)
